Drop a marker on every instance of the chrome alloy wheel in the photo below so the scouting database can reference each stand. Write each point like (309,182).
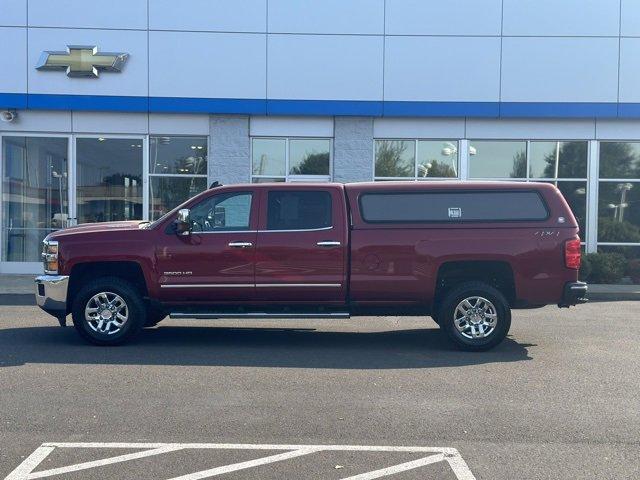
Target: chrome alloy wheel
(106,313)
(475,317)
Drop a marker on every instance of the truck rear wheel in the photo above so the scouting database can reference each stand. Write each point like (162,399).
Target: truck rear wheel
(475,316)
(108,311)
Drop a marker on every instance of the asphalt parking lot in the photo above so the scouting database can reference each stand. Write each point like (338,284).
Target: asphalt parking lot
(560,399)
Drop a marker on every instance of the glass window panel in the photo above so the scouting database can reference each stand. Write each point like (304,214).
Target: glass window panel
(437,159)
(309,156)
(178,155)
(229,211)
(290,210)
(558,160)
(619,212)
(395,158)
(576,195)
(269,156)
(619,160)
(452,207)
(109,179)
(167,193)
(489,159)
(267,180)
(35,195)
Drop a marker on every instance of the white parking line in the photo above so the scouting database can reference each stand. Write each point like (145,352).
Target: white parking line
(438,454)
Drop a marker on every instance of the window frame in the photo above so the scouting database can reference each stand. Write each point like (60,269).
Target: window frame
(149,175)
(416,141)
(252,194)
(288,177)
(317,229)
(598,180)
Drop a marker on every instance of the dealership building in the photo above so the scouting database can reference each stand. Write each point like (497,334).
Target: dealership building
(123,109)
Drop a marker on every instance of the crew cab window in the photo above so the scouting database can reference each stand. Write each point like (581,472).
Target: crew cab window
(390,207)
(293,210)
(229,211)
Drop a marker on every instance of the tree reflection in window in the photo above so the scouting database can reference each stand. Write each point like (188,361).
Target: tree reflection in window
(395,158)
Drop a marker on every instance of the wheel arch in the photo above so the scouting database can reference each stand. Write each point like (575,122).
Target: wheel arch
(129,270)
(497,273)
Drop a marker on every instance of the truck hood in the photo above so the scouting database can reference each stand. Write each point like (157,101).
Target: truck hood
(99,227)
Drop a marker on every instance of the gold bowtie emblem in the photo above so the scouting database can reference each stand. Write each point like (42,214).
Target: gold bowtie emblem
(81,61)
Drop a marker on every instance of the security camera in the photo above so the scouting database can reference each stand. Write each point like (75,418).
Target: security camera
(8,115)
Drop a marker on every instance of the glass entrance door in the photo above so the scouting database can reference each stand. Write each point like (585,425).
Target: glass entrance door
(35,197)
(109,179)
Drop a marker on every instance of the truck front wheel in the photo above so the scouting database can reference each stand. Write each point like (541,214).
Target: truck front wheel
(475,316)
(108,311)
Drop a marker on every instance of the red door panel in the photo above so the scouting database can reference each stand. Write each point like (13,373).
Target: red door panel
(301,245)
(216,263)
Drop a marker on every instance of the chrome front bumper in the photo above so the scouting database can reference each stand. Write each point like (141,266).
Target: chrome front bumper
(51,293)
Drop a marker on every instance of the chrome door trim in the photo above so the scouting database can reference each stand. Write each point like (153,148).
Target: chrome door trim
(249,285)
(224,231)
(304,285)
(299,230)
(328,243)
(240,244)
(208,285)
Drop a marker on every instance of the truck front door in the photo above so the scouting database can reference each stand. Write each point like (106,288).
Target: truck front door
(214,264)
(302,244)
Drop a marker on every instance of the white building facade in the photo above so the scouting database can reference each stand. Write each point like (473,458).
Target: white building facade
(140,104)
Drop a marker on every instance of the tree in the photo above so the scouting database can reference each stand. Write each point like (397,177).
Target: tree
(313,164)
(390,161)
(519,169)
(438,169)
(572,161)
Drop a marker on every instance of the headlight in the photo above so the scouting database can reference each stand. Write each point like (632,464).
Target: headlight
(50,256)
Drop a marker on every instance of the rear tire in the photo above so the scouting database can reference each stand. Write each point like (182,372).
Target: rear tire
(108,311)
(475,316)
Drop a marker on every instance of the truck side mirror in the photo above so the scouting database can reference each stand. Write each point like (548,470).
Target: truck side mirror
(183,222)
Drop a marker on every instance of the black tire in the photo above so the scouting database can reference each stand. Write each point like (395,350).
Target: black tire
(154,316)
(447,315)
(135,311)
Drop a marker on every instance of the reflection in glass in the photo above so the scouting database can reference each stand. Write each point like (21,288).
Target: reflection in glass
(178,155)
(230,211)
(109,179)
(619,160)
(438,159)
(34,194)
(167,193)
(576,195)
(309,156)
(619,212)
(267,180)
(558,159)
(269,156)
(489,159)
(395,158)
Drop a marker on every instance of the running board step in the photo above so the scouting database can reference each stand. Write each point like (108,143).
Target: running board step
(259,315)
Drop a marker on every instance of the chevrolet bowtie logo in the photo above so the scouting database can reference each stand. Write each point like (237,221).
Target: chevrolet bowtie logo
(82,61)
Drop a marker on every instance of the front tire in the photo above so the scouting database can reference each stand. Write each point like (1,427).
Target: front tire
(475,316)
(108,311)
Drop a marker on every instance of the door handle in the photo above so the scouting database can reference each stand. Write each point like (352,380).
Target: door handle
(328,243)
(241,244)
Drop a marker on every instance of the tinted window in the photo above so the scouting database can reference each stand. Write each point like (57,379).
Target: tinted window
(452,207)
(230,211)
(290,210)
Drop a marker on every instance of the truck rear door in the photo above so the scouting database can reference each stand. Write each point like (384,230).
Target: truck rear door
(302,245)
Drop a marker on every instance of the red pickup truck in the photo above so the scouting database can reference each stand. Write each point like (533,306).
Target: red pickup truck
(465,253)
